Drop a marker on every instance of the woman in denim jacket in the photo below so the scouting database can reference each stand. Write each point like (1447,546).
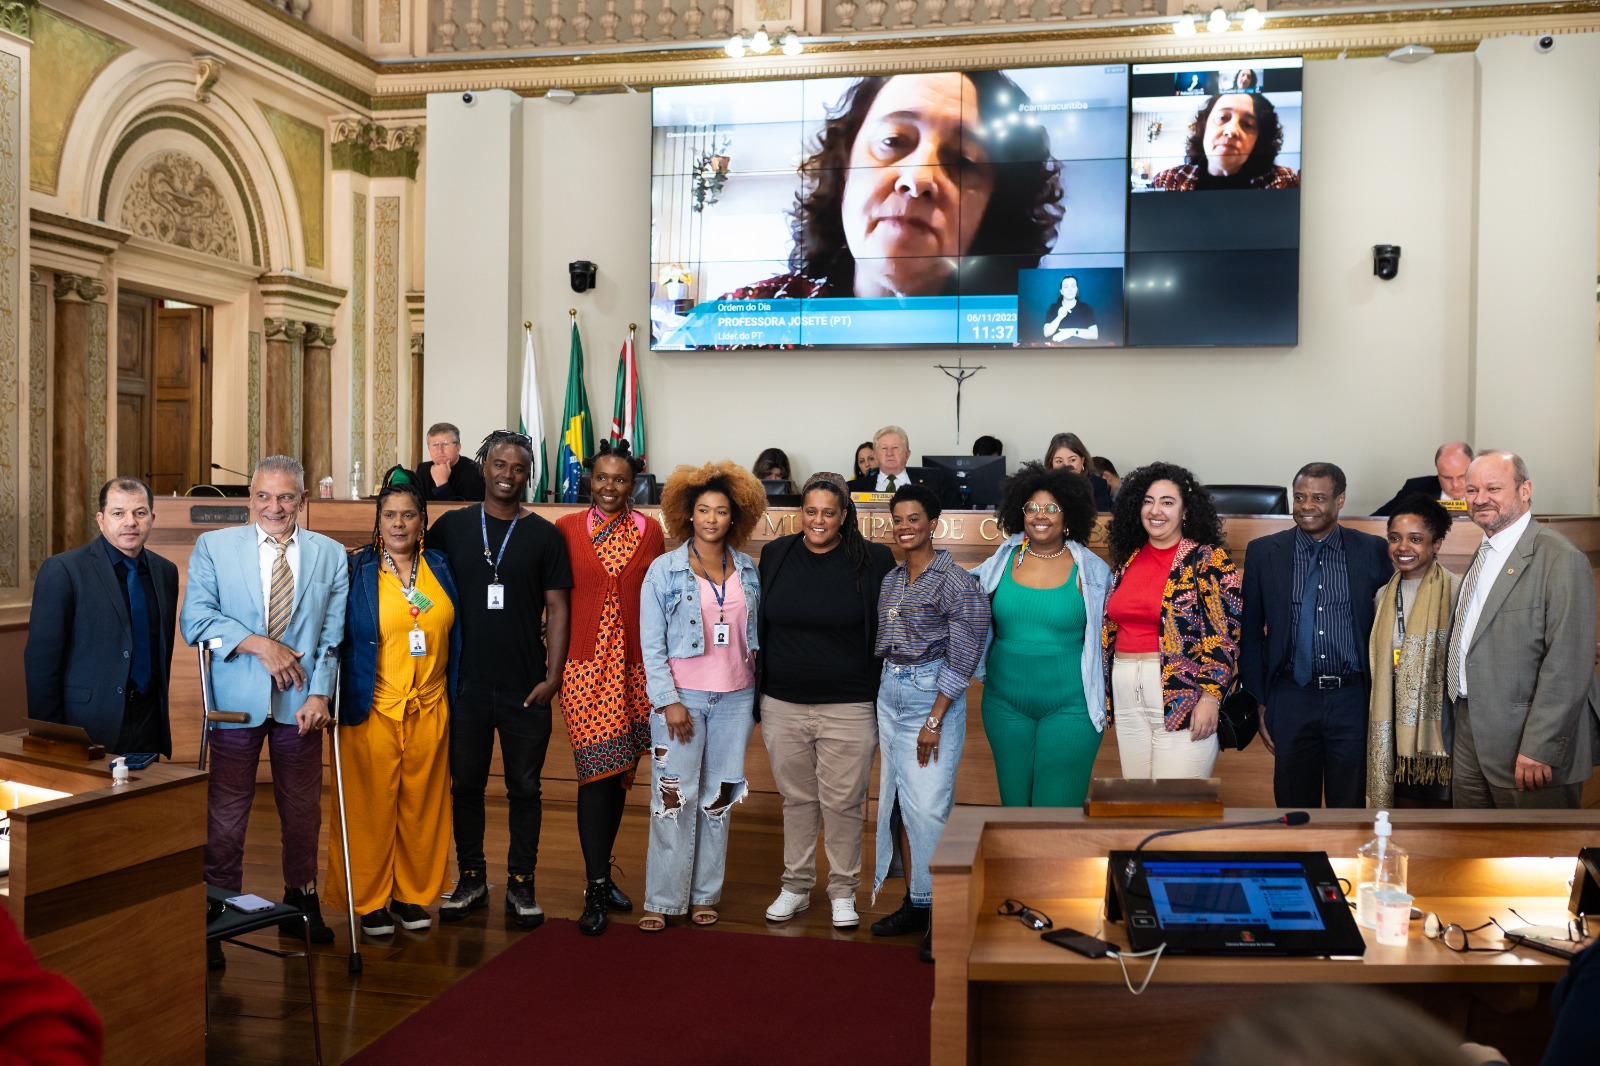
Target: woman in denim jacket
(697,630)
(1044,702)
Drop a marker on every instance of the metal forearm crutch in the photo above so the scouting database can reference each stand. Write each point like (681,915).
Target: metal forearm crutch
(208,711)
(344,821)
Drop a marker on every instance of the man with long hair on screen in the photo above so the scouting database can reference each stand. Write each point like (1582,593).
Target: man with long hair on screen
(1233,144)
(905,181)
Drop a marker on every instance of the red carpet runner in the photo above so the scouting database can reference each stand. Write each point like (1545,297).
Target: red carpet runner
(684,997)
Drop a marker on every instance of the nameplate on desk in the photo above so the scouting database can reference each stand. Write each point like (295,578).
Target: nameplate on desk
(1458,506)
(872,497)
(219,516)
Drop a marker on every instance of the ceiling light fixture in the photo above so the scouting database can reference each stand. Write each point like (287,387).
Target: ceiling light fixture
(1218,22)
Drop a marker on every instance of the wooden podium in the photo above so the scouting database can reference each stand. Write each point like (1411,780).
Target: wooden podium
(105,883)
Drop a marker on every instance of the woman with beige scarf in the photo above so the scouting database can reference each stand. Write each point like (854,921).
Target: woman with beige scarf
(1408,725)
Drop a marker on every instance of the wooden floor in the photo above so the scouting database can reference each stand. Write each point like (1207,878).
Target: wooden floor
(260,1013)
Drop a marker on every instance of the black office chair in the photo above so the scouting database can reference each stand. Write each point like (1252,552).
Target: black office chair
(223,923)
(1249,499)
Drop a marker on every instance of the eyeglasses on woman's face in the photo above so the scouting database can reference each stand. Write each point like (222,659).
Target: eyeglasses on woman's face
(1041,508)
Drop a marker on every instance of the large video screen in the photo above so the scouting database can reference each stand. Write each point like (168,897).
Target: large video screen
(984,208)
(1214,215)
(901,211)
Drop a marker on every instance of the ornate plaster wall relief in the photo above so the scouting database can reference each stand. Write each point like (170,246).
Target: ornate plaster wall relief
(173,200)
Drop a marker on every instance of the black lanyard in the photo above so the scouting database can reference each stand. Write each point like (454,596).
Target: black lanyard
(407,589)
(719,591)
(494,562)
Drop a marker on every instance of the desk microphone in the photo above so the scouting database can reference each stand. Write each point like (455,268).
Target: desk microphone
(225,470)
(1293,818)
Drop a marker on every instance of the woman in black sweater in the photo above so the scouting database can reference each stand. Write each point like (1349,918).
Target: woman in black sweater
(818,690)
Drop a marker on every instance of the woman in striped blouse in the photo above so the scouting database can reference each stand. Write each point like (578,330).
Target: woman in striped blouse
(932,623)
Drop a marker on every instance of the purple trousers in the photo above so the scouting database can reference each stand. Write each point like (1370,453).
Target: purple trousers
(296,786)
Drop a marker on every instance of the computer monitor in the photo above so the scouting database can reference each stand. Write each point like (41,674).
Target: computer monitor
(972,481)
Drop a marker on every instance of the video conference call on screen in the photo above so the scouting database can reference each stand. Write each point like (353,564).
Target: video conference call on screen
(1103,206)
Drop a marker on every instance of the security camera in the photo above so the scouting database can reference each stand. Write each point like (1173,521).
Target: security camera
(582,272)
(469,98)
(1544,43)
(1386,260)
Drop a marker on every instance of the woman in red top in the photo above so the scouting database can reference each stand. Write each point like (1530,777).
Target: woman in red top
(603,697)
(1171,633)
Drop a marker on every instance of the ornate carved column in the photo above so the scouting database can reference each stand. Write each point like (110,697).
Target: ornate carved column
(277,385)
(80,408)
(316,404)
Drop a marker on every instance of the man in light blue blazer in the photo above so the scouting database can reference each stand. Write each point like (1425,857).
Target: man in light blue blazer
(275,595)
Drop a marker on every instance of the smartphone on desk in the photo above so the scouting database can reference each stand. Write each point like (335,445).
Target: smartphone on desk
(1084,944)
(249,903)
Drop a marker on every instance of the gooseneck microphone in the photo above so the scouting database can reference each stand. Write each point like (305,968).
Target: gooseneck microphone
(1293,818)
(225,470)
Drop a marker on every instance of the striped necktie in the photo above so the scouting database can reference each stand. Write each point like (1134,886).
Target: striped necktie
(1463,601)
(280,604)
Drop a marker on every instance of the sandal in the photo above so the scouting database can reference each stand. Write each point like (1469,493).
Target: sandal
(651,922)
(703,915)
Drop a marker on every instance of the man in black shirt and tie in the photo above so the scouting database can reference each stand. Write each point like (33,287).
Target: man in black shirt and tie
(1308,610)
(100,633)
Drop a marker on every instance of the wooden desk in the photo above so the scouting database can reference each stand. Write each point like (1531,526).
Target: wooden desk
(1003,995)
(106,885)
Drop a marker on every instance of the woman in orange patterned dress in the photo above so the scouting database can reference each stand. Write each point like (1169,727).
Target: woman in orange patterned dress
(603,697)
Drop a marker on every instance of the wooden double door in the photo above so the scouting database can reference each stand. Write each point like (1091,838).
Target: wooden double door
(163,393)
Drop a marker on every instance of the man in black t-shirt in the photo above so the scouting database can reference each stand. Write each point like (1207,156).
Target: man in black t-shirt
(511,568)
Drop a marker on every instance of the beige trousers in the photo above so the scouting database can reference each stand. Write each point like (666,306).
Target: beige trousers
(821,757)
(1147,750)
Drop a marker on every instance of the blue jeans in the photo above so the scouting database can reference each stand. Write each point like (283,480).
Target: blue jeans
(925,794)
(693,786)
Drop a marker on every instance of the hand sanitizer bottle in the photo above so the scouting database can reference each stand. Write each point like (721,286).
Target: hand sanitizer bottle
(1381,866)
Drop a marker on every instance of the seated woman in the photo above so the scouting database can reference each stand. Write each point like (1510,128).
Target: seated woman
(1408,723)
(1233,143)
(932,623)
(397,672)
(1171,632)
(1044,700)
(903,184)
(1068,450)
(697,630)
(866,460)
(773,465)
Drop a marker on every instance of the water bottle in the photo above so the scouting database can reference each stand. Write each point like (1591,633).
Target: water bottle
(1381,867)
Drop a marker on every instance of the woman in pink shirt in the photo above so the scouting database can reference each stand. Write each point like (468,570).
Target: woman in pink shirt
(697,631)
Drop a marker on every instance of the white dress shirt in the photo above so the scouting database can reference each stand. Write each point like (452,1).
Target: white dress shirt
(267,550)
(1495,557)
(890,482)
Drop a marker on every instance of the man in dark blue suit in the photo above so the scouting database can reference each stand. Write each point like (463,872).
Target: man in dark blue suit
(99,649)
(1308,609)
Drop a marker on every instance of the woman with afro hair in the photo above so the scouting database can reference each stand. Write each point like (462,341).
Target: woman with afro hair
(697,628)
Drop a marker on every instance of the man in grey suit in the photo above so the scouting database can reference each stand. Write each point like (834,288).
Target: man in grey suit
(1521,668)
(100,633)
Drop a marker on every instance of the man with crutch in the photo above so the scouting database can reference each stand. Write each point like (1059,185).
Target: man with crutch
(275,596)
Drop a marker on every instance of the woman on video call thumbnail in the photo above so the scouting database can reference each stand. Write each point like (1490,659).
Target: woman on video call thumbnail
(1069,318)
(1233,143)
(902,184)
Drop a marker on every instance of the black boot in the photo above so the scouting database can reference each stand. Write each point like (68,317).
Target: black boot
(925,953)
(615,899)
(307,902)
(594,919)
(908,919)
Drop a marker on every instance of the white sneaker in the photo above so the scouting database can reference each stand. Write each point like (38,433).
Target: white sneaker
(787,905)
(844,913)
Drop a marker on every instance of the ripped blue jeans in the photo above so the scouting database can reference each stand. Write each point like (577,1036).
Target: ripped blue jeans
(693,787)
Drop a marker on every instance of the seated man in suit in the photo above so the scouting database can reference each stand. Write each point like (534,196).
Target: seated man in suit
(1520,675)
(1308,611)
(99,649)
(447,476)
(275,594)
(1448,482)
(893,447)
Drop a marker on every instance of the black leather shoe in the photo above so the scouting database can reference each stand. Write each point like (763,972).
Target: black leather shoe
(307,902)
(925,953)
(614,899)
(908,919)
(594,919)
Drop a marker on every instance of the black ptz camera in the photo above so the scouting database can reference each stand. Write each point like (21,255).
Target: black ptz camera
(469,98)
(1386,260)
(582,272)
(1544,43)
